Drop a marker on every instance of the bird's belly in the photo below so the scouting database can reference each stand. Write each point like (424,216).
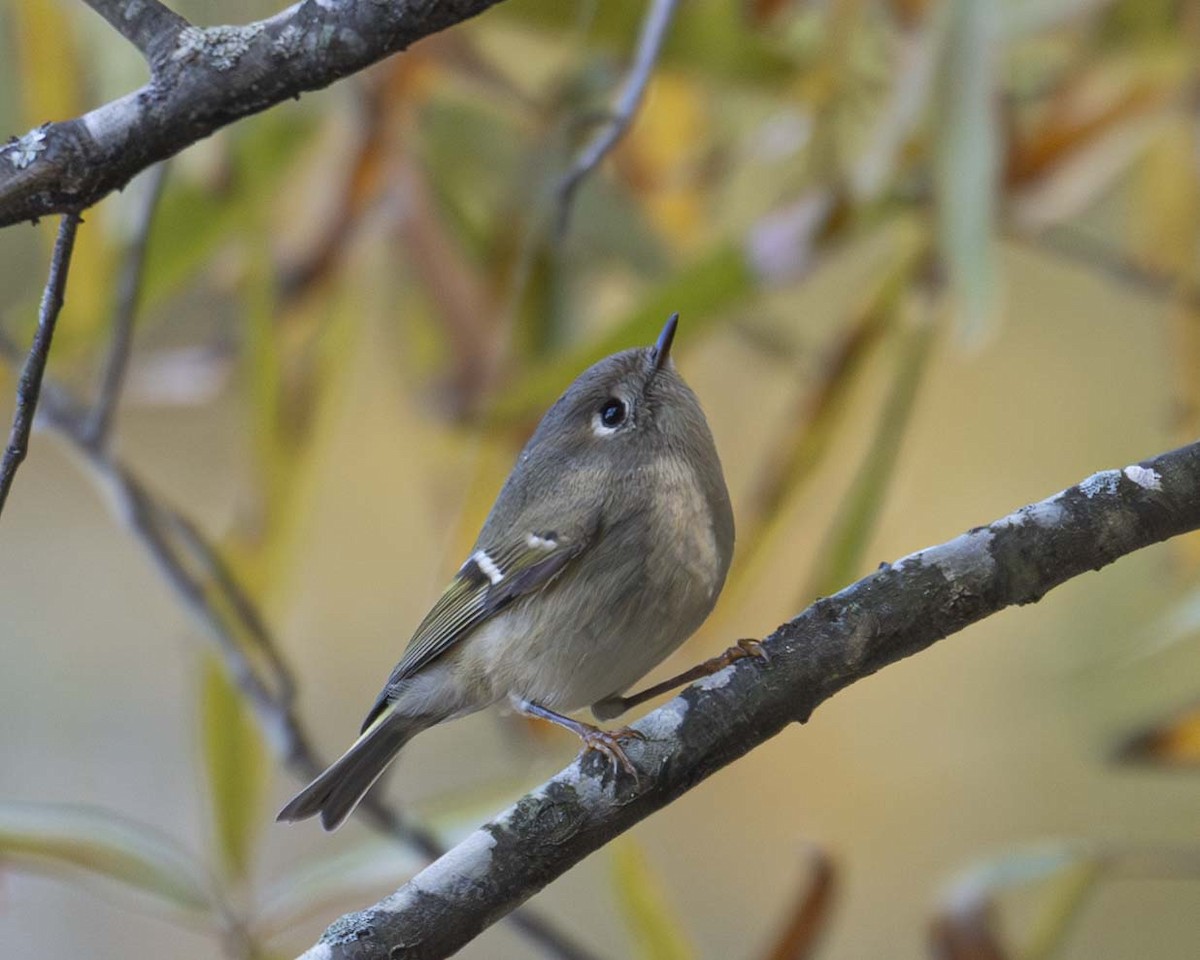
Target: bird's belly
(567,656)
(625,605)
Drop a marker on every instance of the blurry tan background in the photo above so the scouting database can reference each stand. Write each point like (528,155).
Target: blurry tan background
(340,444)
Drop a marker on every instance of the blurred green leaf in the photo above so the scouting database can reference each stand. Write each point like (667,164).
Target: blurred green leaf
(966,155)
(323,886)
(236,765)
(811,430)
(1165,217)
(965,926)
(699,293)
(469,155)
(709,36)
(1070,872)
(263,364)
(1061,908)
(1023,18)
(74,839)
(657,935)
(193,219)
(848,539)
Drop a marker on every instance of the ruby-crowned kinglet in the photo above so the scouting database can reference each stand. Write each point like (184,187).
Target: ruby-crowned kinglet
(605,550)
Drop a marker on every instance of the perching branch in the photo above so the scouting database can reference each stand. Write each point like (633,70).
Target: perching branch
(896,612)
(654,31)
(29,387)
(204,80)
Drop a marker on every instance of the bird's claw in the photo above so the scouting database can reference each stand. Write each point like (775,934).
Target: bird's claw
(746,647)
(608,744)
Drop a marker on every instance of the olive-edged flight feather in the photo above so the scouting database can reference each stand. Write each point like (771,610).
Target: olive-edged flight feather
(487,583)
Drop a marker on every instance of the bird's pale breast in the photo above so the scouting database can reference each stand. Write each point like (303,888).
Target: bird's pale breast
(634,597)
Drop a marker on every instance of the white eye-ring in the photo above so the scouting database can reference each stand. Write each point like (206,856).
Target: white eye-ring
(610,417)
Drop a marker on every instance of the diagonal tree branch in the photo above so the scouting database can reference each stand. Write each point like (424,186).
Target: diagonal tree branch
(29,386)
(896,612)
(209,78)
(650,41)
(149,25)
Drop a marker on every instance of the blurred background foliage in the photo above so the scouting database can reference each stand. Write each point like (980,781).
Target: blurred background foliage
(934,260)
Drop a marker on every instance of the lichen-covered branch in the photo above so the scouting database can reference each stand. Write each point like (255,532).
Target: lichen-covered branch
(897,611)
(206,79)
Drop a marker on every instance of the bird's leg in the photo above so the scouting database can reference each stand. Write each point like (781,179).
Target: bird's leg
(606,742)
(615,706)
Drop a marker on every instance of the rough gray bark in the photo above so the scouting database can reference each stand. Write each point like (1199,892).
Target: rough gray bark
(201,80)
(897,611)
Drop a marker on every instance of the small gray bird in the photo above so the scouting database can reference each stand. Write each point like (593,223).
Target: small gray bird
(606,549)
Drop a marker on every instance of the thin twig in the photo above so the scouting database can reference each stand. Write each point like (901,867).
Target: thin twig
(654,30)
(1105,259)
(246,613)
(98,425)
(30,385)
(149,25)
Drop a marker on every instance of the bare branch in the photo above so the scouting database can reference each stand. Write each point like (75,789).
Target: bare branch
(147,24)
(654,31)
(98,425)
(209,78)
(29,387)
(896,612)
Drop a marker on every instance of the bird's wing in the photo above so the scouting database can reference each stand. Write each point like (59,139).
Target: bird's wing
(488,582)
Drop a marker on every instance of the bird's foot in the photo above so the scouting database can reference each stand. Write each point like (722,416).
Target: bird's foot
(746,647)
(608,744)
(604,742)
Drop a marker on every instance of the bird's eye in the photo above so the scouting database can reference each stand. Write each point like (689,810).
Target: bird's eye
(612,414)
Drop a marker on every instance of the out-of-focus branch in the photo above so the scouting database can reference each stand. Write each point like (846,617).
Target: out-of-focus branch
(654,31)
(227,616)
(29,386)
(98,425)
(205,79)
(900,610)
(805,928)
(149,25)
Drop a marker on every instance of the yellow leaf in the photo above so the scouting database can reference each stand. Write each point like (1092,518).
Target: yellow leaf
(657,935)
(662,152)
(47,60)
(1165,211)
(49,82)
(236,764)
(76,839)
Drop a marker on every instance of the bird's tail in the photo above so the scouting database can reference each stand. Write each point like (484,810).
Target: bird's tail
(337,791)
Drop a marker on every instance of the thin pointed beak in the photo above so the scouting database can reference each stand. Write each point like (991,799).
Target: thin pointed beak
(662,349)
